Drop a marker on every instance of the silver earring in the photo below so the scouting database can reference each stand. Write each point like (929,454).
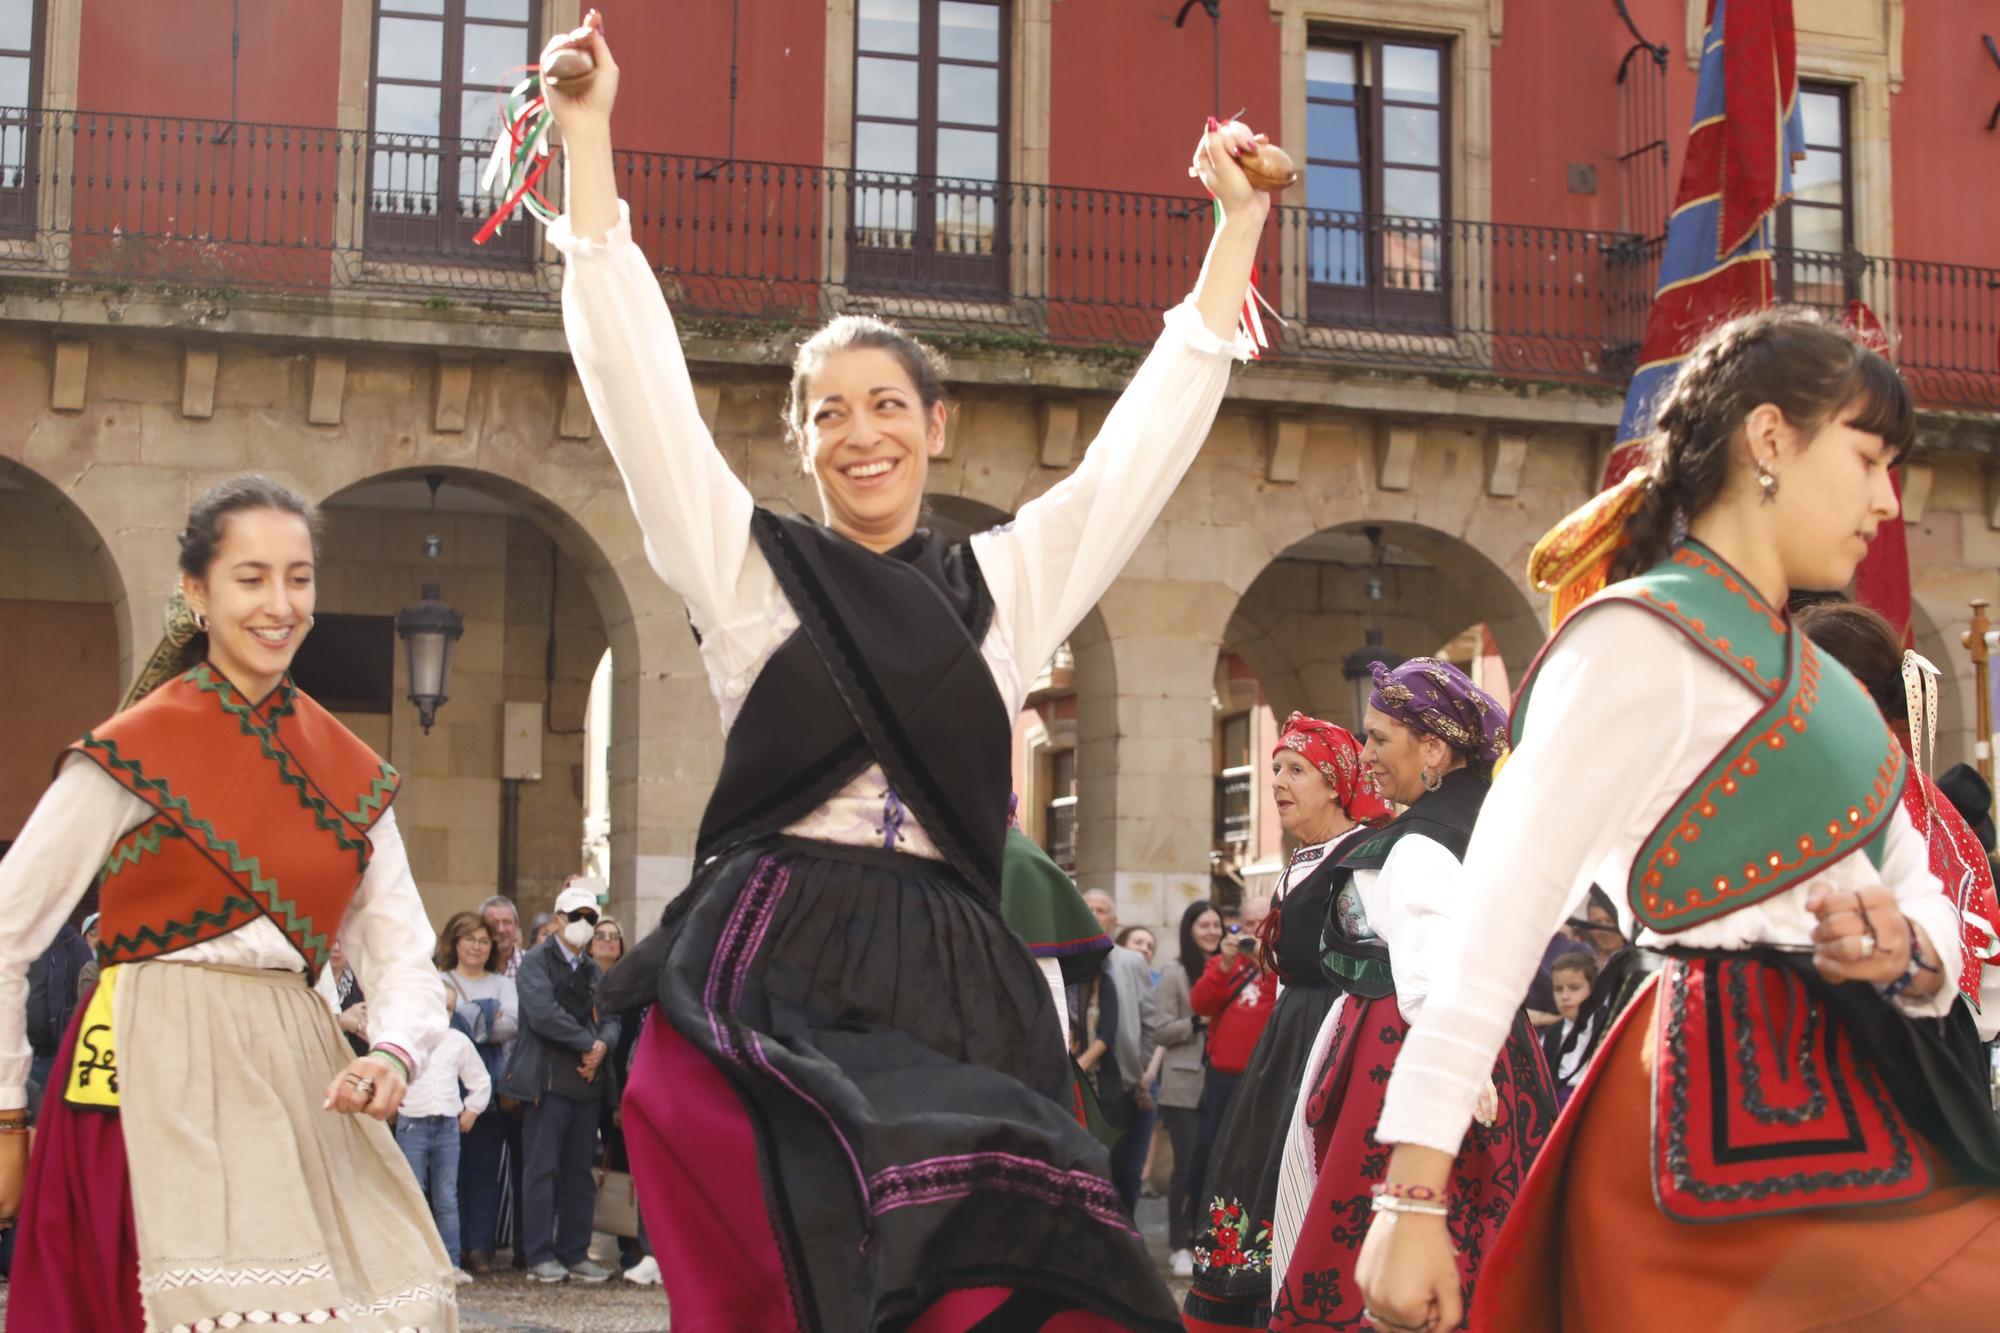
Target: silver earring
(200,622)
(1767,480)
(311,620)
(1431,780)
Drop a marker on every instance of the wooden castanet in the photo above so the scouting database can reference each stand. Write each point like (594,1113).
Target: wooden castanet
(1268,167)
(564,65)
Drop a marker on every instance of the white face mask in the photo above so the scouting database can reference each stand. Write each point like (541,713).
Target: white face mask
(576,934)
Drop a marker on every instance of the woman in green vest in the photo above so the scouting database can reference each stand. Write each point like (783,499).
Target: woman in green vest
(1773,1135)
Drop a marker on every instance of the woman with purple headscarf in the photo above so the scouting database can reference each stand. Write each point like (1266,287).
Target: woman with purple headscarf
(1432,740)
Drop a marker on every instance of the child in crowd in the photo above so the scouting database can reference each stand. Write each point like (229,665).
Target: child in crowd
(432,1118)
(1571,976)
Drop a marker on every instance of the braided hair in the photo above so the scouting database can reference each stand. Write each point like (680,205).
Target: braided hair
(1809,368)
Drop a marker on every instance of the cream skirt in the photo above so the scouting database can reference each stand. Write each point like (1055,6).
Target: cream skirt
(253,1204)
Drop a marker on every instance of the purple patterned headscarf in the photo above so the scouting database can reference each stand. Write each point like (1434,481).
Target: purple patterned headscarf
(1428,695)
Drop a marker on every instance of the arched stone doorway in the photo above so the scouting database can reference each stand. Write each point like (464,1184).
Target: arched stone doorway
(494,796)
(1295,626)
(60,659)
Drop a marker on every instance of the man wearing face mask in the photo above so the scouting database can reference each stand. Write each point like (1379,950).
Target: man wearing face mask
(557,1068)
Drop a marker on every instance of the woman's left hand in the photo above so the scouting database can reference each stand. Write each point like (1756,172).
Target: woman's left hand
(368,1086)
(1862,934)
(1215,165)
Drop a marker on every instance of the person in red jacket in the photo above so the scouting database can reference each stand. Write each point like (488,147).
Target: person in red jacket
(1234,997)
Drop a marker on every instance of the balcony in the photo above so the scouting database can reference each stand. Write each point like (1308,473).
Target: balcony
(183,203)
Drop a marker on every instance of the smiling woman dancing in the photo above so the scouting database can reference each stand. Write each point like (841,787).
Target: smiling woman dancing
(205,1157)
(851,1110)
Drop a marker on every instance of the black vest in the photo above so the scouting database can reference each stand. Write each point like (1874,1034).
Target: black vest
(884,669)
(1446,817)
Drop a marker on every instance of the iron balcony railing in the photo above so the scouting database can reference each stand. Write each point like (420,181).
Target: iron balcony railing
(182,202)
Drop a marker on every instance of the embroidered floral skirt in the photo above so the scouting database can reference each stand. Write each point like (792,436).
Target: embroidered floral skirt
(1343,1104)
(1232,1250)
(853,1108)
(220,1192)
(1588,1246)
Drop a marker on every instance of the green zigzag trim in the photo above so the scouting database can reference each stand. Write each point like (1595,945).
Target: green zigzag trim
(204,679)
(264,889)
(144,842)
(176,934)
(371,803)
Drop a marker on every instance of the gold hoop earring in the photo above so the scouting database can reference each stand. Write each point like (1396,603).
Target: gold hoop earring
(1767,482)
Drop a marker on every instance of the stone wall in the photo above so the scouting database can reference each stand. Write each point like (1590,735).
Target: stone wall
(1464,476)
(58,643)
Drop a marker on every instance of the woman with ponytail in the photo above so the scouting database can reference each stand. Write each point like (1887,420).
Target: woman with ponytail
(1774,1134)
(210,1153)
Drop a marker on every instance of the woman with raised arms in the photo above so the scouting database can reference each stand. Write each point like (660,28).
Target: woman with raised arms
(852,1109)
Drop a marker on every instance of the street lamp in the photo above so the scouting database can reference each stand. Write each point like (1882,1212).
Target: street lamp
(429,629)
(1358,667)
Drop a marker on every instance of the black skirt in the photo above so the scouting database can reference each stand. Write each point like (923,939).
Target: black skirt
(1232,1274)
(899,1055)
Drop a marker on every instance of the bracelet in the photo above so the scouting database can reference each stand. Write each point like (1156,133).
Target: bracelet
(1389,1203)
(18,1124)
(1389,1189)
(395,1058)
(1917,967)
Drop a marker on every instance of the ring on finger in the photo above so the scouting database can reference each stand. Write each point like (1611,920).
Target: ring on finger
(1869,944)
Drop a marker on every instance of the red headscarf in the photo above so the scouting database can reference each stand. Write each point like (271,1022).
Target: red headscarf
(1337,756)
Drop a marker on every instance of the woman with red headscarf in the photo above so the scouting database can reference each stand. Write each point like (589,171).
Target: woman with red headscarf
(1433,738)
(1326,801)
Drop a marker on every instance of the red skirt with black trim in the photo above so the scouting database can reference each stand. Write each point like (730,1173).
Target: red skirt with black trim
(1589,1248)
(1344,1104)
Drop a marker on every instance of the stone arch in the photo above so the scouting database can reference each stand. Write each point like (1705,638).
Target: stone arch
(657,687)
(1309,608)
(63,662)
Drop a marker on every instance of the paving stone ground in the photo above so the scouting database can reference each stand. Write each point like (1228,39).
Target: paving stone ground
(509,1301)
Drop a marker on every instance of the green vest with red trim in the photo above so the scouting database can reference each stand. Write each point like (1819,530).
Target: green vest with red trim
(1814,776)
(259,810)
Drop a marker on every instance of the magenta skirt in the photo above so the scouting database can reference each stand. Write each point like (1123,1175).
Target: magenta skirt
(694,1161)
(76,1253)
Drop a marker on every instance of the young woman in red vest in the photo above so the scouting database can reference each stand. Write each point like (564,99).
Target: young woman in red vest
(209,1151)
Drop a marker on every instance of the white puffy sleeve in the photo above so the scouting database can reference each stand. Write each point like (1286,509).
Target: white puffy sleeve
(694,512)
(1614,699)
(1906,869)
(1420,886)
(388,939)
(42,878)
(1054,561)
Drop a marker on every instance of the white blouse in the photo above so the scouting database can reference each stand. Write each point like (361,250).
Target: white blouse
(1045,570)
(386,934)
(1630,714)
(1409,905)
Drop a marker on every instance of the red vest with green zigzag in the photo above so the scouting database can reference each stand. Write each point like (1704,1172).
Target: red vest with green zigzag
(261,810)
(1814,776)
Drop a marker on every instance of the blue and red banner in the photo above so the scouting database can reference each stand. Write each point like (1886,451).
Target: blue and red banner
(1717,259)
